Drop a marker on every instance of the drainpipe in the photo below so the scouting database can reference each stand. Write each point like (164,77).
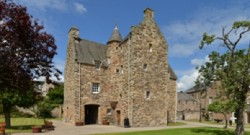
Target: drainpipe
(79,91)
(130,108)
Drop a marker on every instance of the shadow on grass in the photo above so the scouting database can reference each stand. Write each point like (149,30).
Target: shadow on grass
(21,127)
(212,131)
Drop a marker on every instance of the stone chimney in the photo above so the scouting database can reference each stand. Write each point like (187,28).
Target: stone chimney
(148,13)
(73,34)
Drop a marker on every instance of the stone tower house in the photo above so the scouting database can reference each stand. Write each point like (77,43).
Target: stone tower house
(126,78)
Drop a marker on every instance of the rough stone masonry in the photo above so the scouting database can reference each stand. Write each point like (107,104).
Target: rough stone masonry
(125,78)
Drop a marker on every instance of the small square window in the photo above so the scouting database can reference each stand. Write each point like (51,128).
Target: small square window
(95,87)
(117,70)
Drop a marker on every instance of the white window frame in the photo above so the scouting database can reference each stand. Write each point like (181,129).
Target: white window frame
(95,87)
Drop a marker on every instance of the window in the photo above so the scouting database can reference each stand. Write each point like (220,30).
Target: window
(150,48)
(95,87)
(145,66)
(147,94)
(117,71)
(97,65)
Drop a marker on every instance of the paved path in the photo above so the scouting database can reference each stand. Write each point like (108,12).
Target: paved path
(64,129)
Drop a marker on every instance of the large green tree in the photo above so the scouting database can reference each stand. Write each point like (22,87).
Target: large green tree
(26,53)
(230,67)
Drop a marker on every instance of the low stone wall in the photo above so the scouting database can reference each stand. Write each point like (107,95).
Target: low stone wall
(188,115)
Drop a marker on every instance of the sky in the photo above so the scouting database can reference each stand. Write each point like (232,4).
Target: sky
(181,21)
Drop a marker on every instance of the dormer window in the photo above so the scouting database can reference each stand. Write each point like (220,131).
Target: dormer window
(97,65)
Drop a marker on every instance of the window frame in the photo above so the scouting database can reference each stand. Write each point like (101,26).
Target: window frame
(95,87)
(97,65)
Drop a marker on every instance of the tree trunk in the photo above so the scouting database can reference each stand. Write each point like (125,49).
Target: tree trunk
(225,116)
(239,121)
(6,111)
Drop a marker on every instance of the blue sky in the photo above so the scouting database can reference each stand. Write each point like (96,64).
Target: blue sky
(181,21)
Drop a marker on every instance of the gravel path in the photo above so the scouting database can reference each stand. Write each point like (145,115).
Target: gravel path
(65,129)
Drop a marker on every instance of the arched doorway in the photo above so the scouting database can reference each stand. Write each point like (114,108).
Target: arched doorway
(91,114)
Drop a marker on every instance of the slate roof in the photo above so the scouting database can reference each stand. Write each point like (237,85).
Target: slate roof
(88,52)
(194,89)
(184,97)
(116,36)
(172,74)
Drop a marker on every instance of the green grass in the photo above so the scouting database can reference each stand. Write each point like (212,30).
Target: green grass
(220,123)
(182,131)
(19,125)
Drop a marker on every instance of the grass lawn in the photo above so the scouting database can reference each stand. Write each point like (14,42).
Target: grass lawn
(182,131)
(19,125)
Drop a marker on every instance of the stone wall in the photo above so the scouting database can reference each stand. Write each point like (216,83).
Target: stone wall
(149,73)
(172,100)
(188,115)
(90,75)
(70,78)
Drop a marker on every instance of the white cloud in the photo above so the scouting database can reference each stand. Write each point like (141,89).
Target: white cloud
(59,64)
(59,5)
(180,50)
(198,62)
(188,77)
(188,80)
(46,4)
(184,36)
(80,8)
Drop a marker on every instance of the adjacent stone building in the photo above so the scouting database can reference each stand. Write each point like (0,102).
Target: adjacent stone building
(187,107)
(125,78)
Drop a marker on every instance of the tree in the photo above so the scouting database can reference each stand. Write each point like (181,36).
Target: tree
(55,95)
(53,99)
(224,107)
(231,67)
(26,53)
